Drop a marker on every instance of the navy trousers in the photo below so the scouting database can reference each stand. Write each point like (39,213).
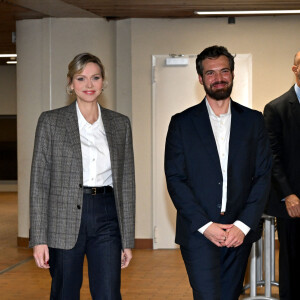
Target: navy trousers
(289,259)
(98,239)
(216,273)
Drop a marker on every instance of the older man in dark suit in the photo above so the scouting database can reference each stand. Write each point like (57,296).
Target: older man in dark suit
(282,117)
(217,165)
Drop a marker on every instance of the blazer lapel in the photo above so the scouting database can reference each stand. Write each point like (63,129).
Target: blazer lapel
(236,131)
(295,105)
(73,130)
(109,128)
(203,127)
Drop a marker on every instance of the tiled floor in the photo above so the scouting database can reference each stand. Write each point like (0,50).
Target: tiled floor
(158,274)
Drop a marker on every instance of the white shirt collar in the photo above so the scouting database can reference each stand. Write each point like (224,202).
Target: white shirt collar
(211,112)
(82,121)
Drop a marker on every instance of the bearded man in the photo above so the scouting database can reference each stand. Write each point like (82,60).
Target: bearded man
(217,165)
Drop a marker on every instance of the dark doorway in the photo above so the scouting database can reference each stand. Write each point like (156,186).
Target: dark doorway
(8,147)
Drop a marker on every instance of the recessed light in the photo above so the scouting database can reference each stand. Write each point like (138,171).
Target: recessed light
(8,55)
(247,12)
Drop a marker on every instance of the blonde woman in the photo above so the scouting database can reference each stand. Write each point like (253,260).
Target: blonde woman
(82,198)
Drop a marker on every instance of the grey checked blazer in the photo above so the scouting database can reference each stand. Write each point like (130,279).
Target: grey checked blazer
(56,193)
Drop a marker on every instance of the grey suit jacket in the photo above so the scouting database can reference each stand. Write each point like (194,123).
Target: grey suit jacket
(56,193)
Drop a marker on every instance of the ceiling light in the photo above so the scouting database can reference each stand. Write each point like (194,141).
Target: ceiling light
(247,12)
(8,55)
(11,62)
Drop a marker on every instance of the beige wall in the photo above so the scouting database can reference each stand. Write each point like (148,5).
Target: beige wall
(123,82)
(46,46)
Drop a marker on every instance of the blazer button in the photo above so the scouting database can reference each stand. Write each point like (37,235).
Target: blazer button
(80,185)
(78,206)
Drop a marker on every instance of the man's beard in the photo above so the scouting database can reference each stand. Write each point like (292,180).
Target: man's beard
(219,94)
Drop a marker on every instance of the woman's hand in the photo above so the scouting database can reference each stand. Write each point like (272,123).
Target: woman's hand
(41,256)
(126,257)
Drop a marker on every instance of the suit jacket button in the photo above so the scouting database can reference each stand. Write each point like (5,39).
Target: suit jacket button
(78,206)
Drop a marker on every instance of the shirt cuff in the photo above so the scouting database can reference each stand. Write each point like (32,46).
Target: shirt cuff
(203,228)
(242,226)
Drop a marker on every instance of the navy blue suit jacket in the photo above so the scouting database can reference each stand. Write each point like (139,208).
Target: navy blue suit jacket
(194,176)
(282,117)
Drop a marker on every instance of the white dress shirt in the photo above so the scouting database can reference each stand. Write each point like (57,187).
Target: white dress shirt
(95,152)
(221,130)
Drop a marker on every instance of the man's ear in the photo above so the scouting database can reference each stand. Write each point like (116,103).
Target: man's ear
(200,79)
(294,69)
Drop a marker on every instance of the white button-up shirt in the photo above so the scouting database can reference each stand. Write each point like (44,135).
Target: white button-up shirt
(95,151)
(221,130)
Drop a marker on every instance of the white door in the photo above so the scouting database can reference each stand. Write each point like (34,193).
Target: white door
(175,88)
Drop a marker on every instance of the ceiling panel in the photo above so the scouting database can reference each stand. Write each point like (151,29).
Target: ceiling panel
(9,13)
(174,8)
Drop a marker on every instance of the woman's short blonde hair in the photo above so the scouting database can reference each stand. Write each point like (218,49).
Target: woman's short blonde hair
(78,64)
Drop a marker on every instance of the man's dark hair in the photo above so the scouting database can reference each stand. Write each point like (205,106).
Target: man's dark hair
(213,52)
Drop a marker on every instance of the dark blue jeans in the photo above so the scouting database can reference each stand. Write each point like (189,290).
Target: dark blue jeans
(98,239)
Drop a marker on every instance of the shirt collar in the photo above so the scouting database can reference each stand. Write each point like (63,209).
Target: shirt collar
(211,112)
(297,90)
(82,121)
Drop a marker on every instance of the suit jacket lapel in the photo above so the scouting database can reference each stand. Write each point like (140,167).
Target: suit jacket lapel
(109,128)
(203,127)
(295,105)
(73,130)
(236,131)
